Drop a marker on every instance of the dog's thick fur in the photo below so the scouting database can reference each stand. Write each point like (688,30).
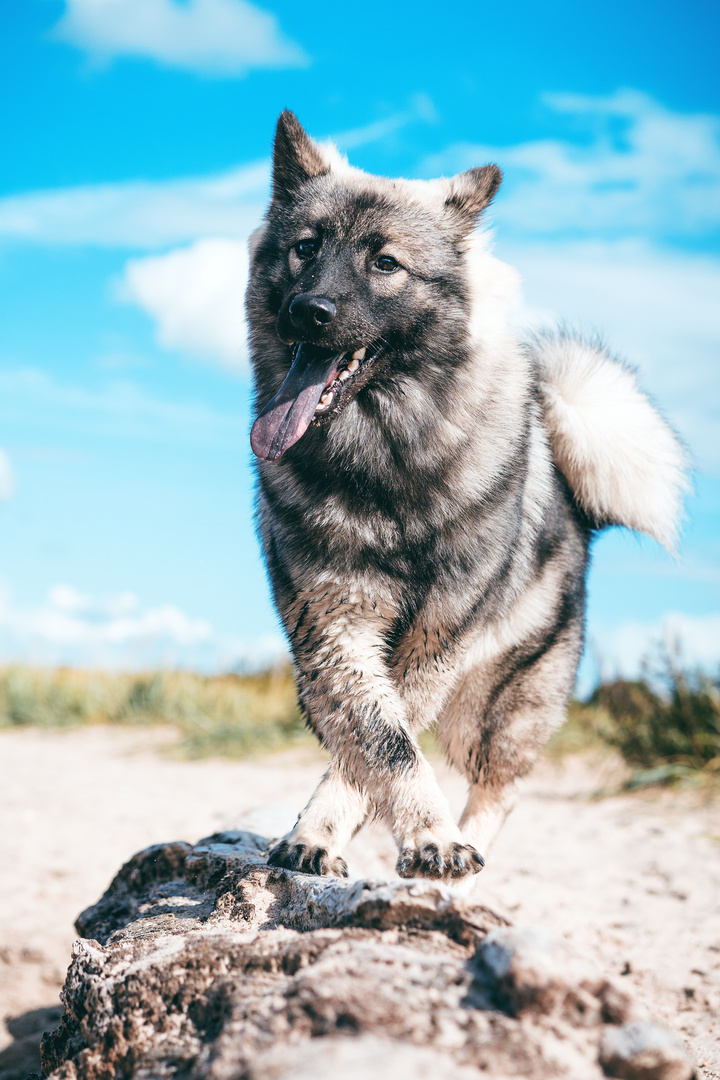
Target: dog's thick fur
(427,536)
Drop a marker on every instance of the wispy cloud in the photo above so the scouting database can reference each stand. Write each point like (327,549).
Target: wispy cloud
(116,410)
(421,107)
(657,308)
(208,37)
(116,632)
(195,296)
(694,638)
(7,479)
(629,167)
(141,214)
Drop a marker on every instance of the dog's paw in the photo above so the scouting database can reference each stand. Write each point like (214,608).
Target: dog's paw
(432,859)
(306,858)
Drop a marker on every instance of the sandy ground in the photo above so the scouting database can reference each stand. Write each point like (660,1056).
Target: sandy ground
(634,879)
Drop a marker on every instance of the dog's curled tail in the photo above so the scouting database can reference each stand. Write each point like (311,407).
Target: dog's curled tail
(624,463)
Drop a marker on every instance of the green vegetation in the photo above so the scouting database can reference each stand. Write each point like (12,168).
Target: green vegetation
(666,726)
(227,715)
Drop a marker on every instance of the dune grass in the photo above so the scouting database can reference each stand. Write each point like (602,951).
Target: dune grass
(666,725)
(224,715)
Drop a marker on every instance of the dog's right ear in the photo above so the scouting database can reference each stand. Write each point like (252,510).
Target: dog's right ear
(296,158)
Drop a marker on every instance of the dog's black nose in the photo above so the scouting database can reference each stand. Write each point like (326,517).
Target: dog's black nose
(307,312)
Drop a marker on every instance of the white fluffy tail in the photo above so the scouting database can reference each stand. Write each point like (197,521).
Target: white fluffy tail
(624,463)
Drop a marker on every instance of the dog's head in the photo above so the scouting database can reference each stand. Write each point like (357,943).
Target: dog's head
(353,270)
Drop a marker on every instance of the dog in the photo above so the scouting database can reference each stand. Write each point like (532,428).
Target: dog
(428,489)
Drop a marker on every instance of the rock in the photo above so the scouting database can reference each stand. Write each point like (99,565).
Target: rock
(359,1059)
(203,962)
(644,1051)
(534,971)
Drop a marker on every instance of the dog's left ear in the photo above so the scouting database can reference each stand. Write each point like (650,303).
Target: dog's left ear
(296,158)
(470,192)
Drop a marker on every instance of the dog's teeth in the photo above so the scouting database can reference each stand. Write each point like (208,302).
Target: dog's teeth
(326,398)
(344,374)
(359,354)
(353,365)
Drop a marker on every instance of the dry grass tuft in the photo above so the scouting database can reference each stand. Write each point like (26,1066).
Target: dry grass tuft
(666,725)
(224,715)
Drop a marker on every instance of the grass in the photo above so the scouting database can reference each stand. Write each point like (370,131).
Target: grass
(666,725)
(226,715)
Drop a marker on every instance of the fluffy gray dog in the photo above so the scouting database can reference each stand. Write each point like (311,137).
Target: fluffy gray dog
(428,490)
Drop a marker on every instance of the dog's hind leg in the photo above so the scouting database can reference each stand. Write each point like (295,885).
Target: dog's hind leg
(499,718)
(335,812)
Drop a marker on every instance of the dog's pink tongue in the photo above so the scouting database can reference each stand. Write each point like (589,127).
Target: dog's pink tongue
(287,415)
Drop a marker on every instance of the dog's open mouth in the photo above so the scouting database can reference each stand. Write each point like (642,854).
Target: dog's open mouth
(318,382)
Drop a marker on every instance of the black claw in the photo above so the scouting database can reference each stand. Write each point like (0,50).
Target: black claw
(297,857)
(277,856)
(459,866)
(319,861)
(406,863)
(431,861)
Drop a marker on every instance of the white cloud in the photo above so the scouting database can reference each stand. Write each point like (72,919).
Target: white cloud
(693,639)
(196,297)
(141,214)
(640,170)
(7,479)
(66,599)
(210,37)
(657,308)
(117,633)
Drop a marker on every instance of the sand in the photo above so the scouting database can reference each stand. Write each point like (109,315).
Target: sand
(633,879)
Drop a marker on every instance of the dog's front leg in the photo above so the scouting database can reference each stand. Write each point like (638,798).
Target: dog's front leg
(331,818)
(356,709)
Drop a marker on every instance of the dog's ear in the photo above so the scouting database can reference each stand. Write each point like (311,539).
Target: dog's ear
(296,158)
(470,192)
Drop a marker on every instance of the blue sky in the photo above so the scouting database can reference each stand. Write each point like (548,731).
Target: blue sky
(135,165)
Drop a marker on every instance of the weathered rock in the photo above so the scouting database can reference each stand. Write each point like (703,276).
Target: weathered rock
(533,971)
(207,963)
(644,1051)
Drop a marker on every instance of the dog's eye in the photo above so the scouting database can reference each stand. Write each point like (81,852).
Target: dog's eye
(387,264)
(306,249)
